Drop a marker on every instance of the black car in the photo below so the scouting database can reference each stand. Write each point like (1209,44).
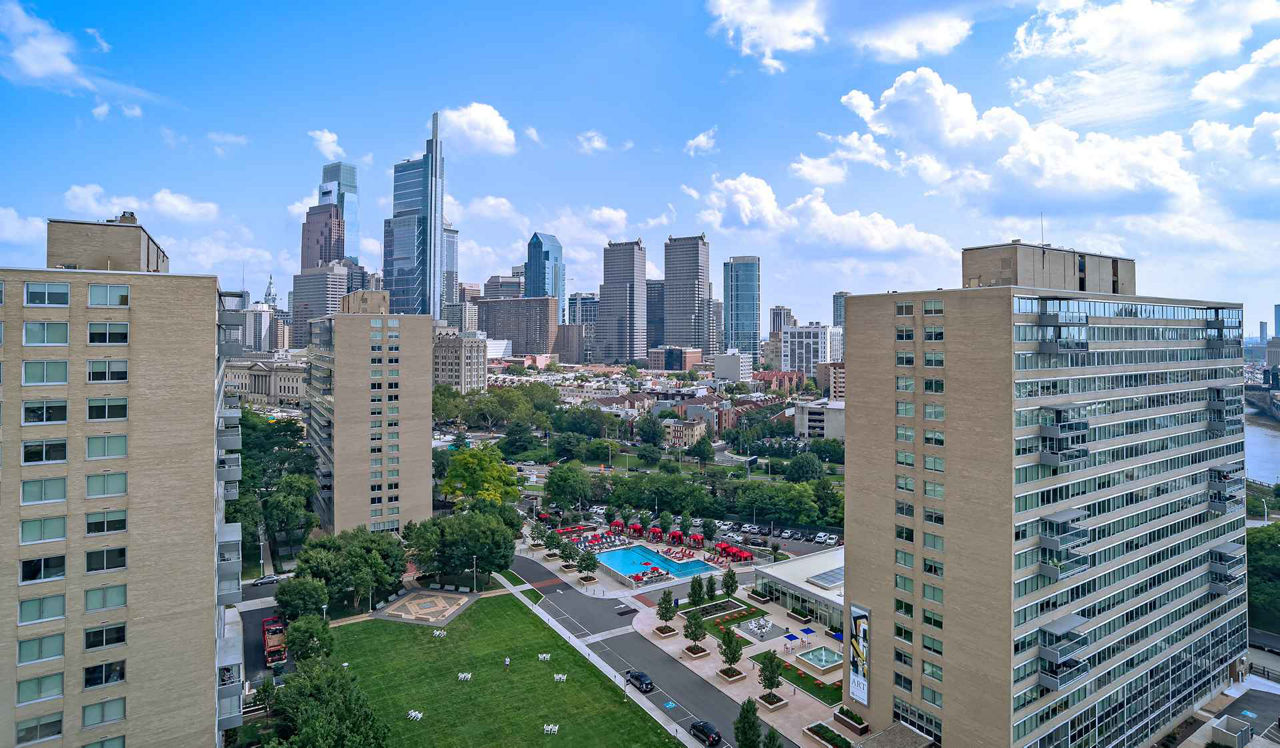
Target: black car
(641,681)
(809,537)
(705,732)
(777,532)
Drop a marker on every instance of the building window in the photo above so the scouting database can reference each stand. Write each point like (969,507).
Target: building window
(934,412)
(104,636)
(933,359)
(933,333)
(104,712)
(932,308)
(48,294)
(38,373)
(103,598)
(42,530)
(933,516)
(36,412)
(106,447)
(108,295)
(44,333)
(902,681)
(905,584)
(905,332)
(903,633)
(928,694)
(905,409)
(904,508)
(44,490)
(904,309)
(933,567)
(107,559)
(39,689)
(101,523)
(905,433)
(116,742)
(38,728)
(44,451)
(106,484)
(41,609)
(902,658)
(903,558)
(931,644)
(904,608)
(40,649)
(104,674)
(905,358)
(109,370)
(934,386)
(108,408)
(935,463)
(933,541)
(933,592)
(905,384)
(934,437)
(108,333)
(42,569)
(905,458)
(904,533)
(933,619)
(904,483)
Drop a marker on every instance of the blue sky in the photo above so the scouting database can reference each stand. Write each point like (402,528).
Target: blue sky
(853,146)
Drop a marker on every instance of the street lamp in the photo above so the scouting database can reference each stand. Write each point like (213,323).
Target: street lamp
(473,573)
(324,608)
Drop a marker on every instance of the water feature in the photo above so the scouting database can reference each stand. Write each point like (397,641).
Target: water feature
(1261,446)
(822,659)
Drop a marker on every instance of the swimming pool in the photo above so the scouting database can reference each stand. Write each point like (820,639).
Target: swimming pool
(631,560)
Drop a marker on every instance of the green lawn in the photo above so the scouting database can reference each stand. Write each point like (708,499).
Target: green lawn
(402,667)
(512,577)
(534,595)
(791,673)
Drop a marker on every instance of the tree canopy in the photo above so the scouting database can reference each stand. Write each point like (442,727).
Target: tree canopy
(322,706)
(446,545)
(567,487)
(478,474)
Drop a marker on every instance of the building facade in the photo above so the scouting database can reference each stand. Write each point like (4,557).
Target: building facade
(780,317)
(820,419)
(687,290)
(830,378)
(529,323)
(504,287)
(338,187)
(460,362)
(463,317)
(317,291)
(742,305)
(368,416)
(323,236)
(570,344)
(544,271)
(274,383)
(655,312)
(450,291)
(584,309)
(733,366)
(1056,475)
(837,308)
(413,262)
(679,434)
(673,358)
(620,327)
(803,347)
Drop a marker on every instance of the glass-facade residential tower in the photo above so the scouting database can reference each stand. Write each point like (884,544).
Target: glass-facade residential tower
(413,262)
(742,305)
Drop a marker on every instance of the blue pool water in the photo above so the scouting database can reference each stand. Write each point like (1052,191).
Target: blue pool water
(631,560)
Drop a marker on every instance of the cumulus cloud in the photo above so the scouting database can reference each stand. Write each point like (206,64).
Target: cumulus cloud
(481,127)
(493,208)
(872,232)
(691,192)
(760,28)
(744,201)
(91,200)
(819,170)
(37,51)
(1256,80)
(225,141)
(131,110)
(667,218)
(703,142)
(101,111)
(452,208)
(532,134)
(327,143)
(915,37)
(592,141)
(16,229)
(182,207)
(298,208)
(227,249)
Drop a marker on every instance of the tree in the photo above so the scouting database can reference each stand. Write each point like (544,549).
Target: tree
(322,706)
(666,413)
(588,563)
(730,648)
(446,545)
(696,594)
(772,739)
(446,403)
(664,521)
(478,474)
(308,637)
(649,429)
(570,552)
(285,508)
(646,519)
(301,596)
(649,454)
(610,514)
(666,607)
(599,450)
(746,728)
(703,451)
(729,582)
(569,445)
(265,695)
(804,468)
(709,529)
(770,671)
(671,467)
(519,439)
(686,523)
(568,487)
(709,591)
(695,630)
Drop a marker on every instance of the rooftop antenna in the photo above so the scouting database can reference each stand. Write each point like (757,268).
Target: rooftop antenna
(1042,228)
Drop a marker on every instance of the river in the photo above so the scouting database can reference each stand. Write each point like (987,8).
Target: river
(1261,447)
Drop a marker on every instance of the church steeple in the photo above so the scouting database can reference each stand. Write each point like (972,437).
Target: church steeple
(270,296)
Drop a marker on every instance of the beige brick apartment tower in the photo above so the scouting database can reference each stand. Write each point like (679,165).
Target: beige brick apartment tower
(369,416)
(1044,504)
(116,561)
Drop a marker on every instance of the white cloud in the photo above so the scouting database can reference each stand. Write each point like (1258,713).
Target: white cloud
(101,111)
(819,170)
(367,159)
(452,208)
(914,37)
(1256,80)
(759,28)
(592,141)
(298,208)
(480,126)
(15,229)
(1121,95)
(652,271)
(182,207)
(691,192)
(628,145)
(531,133)
(39,52)
(97,38)
(612,220)
(88,200)
(131,110)
(667,218)
(872,232)
(327,143)
(703,142)
(221,248)
(493,208)
(171,138)
(225,141)
(744,201)
(370,246)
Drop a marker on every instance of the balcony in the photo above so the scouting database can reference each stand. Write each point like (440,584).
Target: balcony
(1065,566)
(1226,585)
(228,468)
(1222,324)
(1227,560)
(230,653)
(231,317)
(230,346)
(1059,531)
(230,491)
(230,410)
(1062,345)
(1062,319)
(229,437)
(230,711)
(1062,674)
(1061,638)
(1225,503)
(1221,425)
(1073,457)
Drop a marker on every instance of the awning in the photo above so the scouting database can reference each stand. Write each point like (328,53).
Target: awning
(1067,515)
(1065,624)
(1229,549)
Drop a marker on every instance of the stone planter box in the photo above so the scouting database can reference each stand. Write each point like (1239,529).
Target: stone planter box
(551,556)
(586,580)
(854,727)
(696,655)
(772,707)
(832,634)
(730,678)
(821,741)
(536,546)
(802,619)
(568,567)
(666,634)
(758,597)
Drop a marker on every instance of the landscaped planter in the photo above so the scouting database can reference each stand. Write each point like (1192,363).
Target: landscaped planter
(588,579)
(771,702)
(696,654)
(823,734)
(665,632)
(568,567)
(857,729)
(798,617)
(536,546)
(758,597)
(724,676)
(551,555)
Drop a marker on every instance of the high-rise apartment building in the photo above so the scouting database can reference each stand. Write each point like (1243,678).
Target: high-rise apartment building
(323,236)
(317,291)
(655,312)
(803,347)
(459,361)
(584,309)
(413,251)
(837,308)
(529,323)
(780,317)
(687,278)
(118,474)
(742,305)
(715,327)
(620,329)
(1045,504)
(544,270)
(504,287)
(369,418)
(450,264)
(461,317)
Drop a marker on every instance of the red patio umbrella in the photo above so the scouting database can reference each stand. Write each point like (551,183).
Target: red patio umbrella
(675,536)
(695,538)
(616,523)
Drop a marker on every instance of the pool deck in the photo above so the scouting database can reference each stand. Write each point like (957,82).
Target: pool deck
(665,563)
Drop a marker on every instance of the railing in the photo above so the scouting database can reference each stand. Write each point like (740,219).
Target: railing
(1059,570)
(1064,648)
(1062,319)
(1225,585)
(1226,566)
(1064,540)
(1061,345)
(1064,457)
(1068,672)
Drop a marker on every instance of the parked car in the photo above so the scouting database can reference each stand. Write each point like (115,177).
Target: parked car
(831,540)
(786,535)
(809,537)
(268,579)
(820,538)
(696,523)
(705,732)
(777,532)
(736,526)
(641,681)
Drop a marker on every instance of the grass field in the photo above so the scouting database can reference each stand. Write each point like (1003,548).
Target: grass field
(402,667)
(532,594)
(512,577)
(791,673)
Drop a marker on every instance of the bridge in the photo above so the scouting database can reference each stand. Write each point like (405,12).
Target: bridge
(1263,399)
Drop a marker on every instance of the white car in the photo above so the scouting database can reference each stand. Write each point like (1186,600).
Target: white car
(697,523)
(821,538)
(786,535)
(831,539)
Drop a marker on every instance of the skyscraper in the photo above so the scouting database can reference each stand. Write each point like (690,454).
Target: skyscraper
(655,307)
(316,292)
(780,317)
(413,251)
(544,270)
(620,328)
(686,273)
(338,187)
(584,309)
(837,308)
(450,263)
(742,305)
(323,236)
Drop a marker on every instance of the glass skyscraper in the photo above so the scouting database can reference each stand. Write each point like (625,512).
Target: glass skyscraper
(338,187)
(450,263)
(413,255)
(742,305)
(544,270)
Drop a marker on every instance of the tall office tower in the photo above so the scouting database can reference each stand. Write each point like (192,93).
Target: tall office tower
(529,323)
(450,263)
(470,291)
(1076,519)
(584,309)
(1277,319)
(413,261)
(837,308)
(544,270)
(375,282)
(338,187)
(323,236)
(803,347)
(358,278)
(259,327)
(316,292)
(369,416)
(459,361)
(280,329)
(461,317)
(117,481)
(715,327)
(686,275)
(742,305)
(620,326)
(780,317)
(504,287)
(655,310)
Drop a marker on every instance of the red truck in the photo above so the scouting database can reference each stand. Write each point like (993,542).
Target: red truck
(273,643)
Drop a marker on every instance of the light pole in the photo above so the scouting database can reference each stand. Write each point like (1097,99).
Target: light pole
(324,608)
(473,573)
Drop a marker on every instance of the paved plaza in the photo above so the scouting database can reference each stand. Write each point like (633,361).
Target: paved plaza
(426,607)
